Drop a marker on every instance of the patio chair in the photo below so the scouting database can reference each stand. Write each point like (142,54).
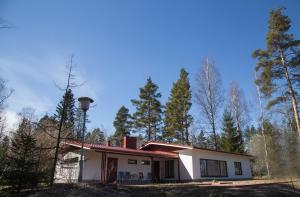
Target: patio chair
(121,177)
(134,178)
(141,177)
(127,176)
(149,177)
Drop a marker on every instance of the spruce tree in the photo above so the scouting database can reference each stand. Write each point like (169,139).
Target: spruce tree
(249,133)
(4,147)
(201,140)
(69,113)
(147,117)
(229,138)
(177,118)
(95,137)
(122,124)
(292,153)
(23,170)
(279,64)
(275,149)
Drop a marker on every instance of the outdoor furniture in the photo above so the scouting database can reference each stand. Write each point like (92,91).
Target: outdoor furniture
(121,177)
(149,177)
(127,176)
(141,177)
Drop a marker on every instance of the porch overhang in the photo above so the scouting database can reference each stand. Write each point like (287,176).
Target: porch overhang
(124,151)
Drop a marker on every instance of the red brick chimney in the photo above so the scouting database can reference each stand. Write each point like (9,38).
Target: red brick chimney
(128,142)
(108,143)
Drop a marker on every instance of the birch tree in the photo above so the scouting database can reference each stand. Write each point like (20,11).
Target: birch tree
(208,95)
(261,122)
(239,111)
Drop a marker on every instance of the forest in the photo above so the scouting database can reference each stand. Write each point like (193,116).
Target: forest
(29,154)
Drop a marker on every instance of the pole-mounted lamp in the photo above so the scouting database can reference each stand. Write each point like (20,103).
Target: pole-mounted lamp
(84,105)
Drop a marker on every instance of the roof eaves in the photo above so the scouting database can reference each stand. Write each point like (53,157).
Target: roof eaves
(219,151)
(165,144)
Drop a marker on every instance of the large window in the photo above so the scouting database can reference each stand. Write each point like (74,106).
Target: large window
(213,168)
(169,169)
(238,168)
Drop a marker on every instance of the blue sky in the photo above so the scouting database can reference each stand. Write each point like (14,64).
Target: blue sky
(118,44)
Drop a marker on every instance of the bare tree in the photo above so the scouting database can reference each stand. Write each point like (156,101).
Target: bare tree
(208,95)
(262,126)
(238,108)
(5,93)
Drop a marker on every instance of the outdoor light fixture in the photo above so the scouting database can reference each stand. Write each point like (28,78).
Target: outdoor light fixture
(84,105)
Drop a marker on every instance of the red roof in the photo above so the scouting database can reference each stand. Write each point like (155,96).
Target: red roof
(121,150)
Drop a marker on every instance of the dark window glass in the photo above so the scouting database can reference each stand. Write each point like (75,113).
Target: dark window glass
(238,168)
(145,162)
(213,168)
(132,161)
(169,169)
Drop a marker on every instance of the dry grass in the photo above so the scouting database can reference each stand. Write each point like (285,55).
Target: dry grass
(247,188)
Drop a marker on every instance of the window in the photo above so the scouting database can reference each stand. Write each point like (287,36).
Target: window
(132,161)
(238,168)
(169,169)
(145,162)
(213,168)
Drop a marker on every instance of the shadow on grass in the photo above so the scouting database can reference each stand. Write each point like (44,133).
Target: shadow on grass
(190,190)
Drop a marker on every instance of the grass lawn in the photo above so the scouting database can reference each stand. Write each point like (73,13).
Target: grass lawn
(253,188)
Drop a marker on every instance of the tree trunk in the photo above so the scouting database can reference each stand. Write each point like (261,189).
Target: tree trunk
(186,133)
(263,129)
(214,134)
(291,91)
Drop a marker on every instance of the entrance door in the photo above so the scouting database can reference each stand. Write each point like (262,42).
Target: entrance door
(112,167)
(156,171)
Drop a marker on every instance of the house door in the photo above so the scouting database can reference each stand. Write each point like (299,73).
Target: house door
(156,170)
(112,168)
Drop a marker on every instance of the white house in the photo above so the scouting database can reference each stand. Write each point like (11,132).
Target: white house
(153,162)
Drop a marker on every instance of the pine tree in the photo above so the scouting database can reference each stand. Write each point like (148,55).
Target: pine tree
(69,113)
(177,118)
(23,168)
(229,138)
(122,124)
(148,110)
(279,64)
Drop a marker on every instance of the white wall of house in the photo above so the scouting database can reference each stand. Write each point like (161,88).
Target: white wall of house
(189,165)
(92,166)
(133,169)
(67,172)
(186,164)
(198,154)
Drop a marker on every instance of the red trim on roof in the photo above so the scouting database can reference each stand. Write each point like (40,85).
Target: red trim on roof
(121,150)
